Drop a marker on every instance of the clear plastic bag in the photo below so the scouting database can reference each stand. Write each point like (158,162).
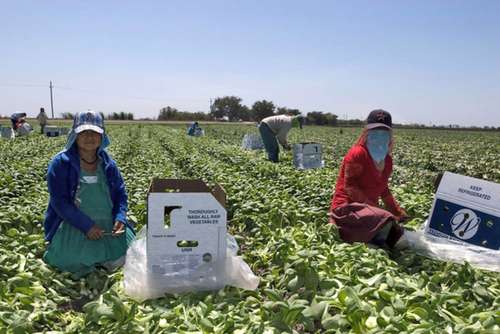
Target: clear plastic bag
(252,141)
(25,129)
(454,251)
(141,284)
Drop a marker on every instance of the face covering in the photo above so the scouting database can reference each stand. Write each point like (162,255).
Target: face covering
(377,143)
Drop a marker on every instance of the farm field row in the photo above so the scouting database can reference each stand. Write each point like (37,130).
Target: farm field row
(310,280)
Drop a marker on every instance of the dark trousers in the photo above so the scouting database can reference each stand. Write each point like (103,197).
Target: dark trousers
(270,143)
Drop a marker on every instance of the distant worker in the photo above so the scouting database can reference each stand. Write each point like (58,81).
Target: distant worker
(42,119)
(17,119)
(362,181)
(274,130)
(19,124)
(85,221)
(194,130)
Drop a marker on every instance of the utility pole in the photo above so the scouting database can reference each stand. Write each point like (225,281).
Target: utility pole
(51,100)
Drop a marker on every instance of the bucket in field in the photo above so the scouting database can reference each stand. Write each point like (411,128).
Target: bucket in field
(252,141)
(308,155)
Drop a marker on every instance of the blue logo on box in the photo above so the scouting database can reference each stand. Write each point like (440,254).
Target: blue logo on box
(464,224)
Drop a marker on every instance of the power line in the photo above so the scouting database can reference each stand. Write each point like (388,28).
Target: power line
(101,93)
(22,85)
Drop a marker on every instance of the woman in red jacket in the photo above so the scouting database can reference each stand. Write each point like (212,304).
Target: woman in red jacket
(362,182)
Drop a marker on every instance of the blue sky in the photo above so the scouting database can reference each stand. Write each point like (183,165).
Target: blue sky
(432,62)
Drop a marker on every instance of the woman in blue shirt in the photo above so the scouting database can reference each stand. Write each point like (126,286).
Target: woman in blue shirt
(85,221)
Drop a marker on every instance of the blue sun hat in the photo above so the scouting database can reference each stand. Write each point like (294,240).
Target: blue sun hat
(88,120)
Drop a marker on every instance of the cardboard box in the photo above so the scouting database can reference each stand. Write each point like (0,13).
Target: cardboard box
(191,251)
(55,131)
(308,155)
(199,132)
(7,132)
(466,209)
(51,131)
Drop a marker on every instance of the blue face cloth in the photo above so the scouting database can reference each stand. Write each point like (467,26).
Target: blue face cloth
(377,143)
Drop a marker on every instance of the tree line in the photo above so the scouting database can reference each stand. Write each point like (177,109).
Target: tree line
(230,108)
(122,116)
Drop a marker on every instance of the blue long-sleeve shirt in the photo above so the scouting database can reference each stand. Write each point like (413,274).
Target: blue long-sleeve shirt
(63,177)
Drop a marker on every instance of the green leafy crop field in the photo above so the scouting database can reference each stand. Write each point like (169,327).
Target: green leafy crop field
(311,282)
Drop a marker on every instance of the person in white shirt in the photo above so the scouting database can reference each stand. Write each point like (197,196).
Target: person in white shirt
(274,130)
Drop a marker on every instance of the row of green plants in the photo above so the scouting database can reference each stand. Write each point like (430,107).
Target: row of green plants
(310,280)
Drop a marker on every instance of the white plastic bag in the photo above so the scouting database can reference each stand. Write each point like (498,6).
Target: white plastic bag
(238,273)
(141,284)
(252,141)
(25,129)
(454,251)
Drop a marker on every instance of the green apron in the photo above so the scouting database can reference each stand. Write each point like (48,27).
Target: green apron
(70,249)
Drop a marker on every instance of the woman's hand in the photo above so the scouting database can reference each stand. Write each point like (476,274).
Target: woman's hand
(95,233)
(118,229)
(402,216)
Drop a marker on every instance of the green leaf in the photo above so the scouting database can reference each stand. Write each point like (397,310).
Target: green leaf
(372,280)
(316,310)
(417,313)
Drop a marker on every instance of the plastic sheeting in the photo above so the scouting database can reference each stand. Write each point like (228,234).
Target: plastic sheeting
(252,141)
(142,284)
(25,129)
(445,249)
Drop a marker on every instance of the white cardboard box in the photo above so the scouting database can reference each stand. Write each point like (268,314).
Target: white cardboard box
(7,132)
(308,155)
(197,217)
(55,131)
(51,131)
(466,209)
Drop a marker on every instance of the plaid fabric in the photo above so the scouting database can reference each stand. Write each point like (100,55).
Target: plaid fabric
(84,118)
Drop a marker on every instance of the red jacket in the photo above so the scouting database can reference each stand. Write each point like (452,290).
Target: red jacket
(360,181)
